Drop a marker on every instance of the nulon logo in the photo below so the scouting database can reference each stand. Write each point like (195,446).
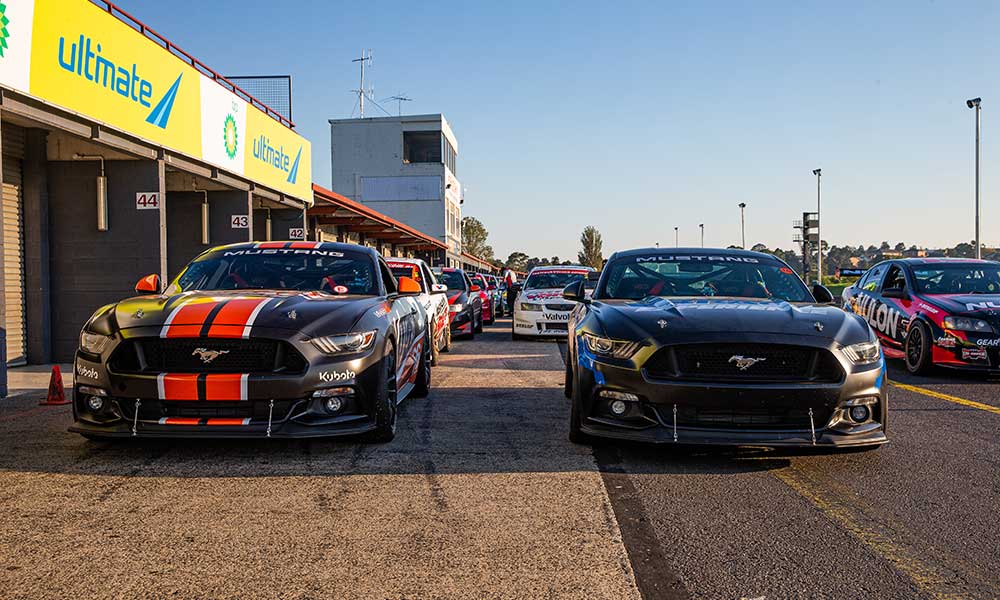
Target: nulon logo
(276,157)
(84,62)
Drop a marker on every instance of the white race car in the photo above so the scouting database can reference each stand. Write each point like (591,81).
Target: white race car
(539,309)
(433,299)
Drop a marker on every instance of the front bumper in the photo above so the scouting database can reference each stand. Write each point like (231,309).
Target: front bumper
(541,324)
(260,405)
(731,414)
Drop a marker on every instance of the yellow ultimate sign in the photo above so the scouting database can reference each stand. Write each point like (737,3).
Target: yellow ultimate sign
(75,55)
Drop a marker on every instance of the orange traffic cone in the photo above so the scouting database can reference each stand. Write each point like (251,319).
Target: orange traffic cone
(57,395)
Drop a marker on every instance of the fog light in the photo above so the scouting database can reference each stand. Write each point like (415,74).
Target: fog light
(860,414)
(95,403)
(333,405)
(618,407)
(613,395)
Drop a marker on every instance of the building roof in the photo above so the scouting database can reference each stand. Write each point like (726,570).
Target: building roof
(330,208)
(436,118)
(478,262)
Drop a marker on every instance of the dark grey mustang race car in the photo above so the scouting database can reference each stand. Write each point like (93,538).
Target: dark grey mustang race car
(728,347)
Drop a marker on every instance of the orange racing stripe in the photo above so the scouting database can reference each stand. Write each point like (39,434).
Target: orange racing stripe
(226,387)
(236,318)
(177,386)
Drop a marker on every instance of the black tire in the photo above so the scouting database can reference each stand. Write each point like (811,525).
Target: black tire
(568,380)
(917,350)
(493,317)
(575,434)
(386,408)
(447,340)
(478,328)
(435,349)
(422,387)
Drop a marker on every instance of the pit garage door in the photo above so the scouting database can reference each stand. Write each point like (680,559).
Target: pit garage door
(13,244)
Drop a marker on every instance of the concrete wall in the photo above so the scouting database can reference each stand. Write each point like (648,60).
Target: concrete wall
(184,224)
(282,219)
(90,268)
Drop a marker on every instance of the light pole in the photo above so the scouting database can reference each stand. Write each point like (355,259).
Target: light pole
(676,242)
(974,103)
(819,238)
(743,228)
(702,225)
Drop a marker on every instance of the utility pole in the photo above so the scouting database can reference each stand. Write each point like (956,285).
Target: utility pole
(743,229)
(702,225)
(974,103)
(819,241)
(366,58)
(676,242)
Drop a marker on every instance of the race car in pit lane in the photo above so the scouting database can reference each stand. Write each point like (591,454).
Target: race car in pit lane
(933,311)
(540,310)
(464,302)
(432,298)
(270,339)
(696,346)
(488,295)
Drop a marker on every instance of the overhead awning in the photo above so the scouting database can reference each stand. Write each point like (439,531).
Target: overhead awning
(330,208)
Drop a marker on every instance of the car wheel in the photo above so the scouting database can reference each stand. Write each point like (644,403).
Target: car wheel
(385,399)
(447,340)
(422,387)
(568,380)
(918,349)
(575,434)
(478,328)
(435,347)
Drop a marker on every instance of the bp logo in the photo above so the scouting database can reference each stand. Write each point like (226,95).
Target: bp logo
(3,29)
(230,136)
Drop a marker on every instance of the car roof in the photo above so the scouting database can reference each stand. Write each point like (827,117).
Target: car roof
(409,261)
(692,252)
(945,260)
(560,268)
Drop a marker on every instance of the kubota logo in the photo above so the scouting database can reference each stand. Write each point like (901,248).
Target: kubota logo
(84,59)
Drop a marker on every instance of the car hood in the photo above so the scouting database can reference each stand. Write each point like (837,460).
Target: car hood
(660,317)
(277,309)
(979,304)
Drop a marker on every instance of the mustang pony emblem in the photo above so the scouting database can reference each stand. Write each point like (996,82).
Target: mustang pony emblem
(744,362)
(207,355)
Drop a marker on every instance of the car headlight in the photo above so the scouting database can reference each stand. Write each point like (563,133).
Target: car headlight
(456,307)
(967,324)
(531,307)
(608,347)
(94,343)
(865,353)
(345,343)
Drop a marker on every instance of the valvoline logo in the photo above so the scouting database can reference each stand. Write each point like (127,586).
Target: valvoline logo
(84,59)
(277,157)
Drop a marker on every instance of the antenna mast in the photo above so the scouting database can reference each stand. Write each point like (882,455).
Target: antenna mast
(366,58)
(399,103)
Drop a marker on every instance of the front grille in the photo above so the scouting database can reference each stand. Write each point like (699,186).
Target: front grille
(151,410)
(736,417)
(559,307)
(723,362)
(557,326)
(180,355)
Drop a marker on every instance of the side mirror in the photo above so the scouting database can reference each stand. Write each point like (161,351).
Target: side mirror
(822,294)
(439,288)
(408,287)
(897,293)
(150,284)
(475,288)
(576,292)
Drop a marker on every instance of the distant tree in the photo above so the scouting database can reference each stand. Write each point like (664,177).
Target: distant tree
(884,246)
(899,247)
(474,235)
(517,261)
(759,248)
(592,252)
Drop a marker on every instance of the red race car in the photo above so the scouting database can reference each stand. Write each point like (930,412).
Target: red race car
(933,311)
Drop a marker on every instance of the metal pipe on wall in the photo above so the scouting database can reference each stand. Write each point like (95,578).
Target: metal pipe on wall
(102,191)
(205,238)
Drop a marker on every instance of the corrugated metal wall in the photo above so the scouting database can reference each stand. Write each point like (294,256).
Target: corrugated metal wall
(13,242)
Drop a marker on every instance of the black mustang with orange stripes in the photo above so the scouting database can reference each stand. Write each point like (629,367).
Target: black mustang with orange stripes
(270,339)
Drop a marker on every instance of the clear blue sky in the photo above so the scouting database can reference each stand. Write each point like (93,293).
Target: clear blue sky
(639,117)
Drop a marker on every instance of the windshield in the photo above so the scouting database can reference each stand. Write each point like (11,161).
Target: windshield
(452,279)
(957,279)
(637,277)
(317,271)
(547,280)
